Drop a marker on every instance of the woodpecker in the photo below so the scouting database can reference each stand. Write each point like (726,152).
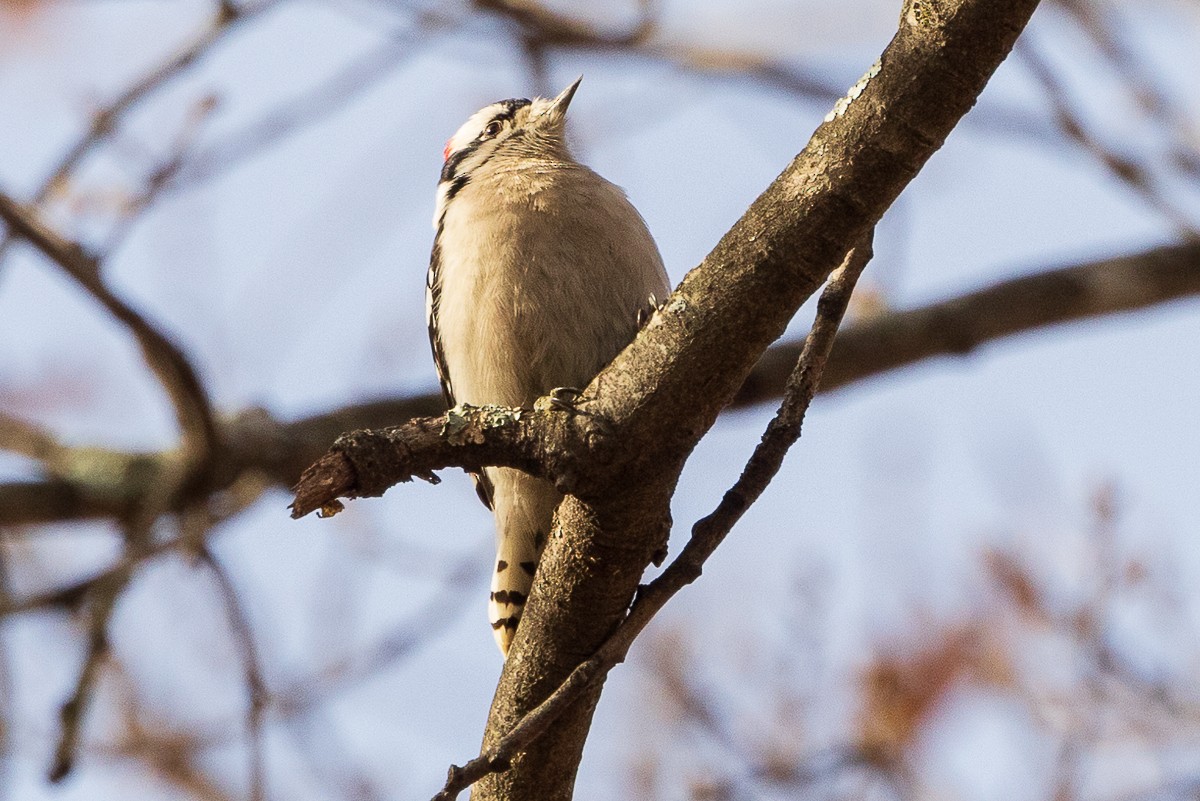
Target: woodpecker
(541,272)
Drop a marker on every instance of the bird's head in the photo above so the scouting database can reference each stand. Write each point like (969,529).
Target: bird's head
(518,127)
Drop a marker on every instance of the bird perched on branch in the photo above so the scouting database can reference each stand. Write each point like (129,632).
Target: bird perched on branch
(541,273)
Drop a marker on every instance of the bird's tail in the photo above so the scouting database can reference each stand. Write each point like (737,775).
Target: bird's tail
(524,507)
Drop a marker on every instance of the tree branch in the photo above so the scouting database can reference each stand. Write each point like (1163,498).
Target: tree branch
(101,595)
(962,324)
(98,483)
(105,120)
(368,463)
(662,393)
(551,28)
(317,103)
(199,437)
(256,686)
(1125,169)
(542,28)
(707,534)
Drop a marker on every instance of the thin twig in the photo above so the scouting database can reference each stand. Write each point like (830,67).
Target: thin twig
(675,672)
(554,29)
(102,594)
(544,28)
(74,594)
(406,639)
(154,744)
(326,756)
(158,179)
(7,682)
(1096,19)
(243,635)
(105,120)
(707,534)
(362,74)
(1125,169)
(103,589)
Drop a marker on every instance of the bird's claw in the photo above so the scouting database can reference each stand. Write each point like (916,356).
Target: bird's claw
(564,398)
(644,314)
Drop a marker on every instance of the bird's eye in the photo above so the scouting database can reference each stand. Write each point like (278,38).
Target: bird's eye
(492,129)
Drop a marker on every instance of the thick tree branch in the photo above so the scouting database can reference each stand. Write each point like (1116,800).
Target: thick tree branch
(707,534)
(55,500)
(605,536)
(662,393)
(962,324)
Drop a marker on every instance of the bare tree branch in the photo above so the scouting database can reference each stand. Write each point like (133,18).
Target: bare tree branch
(551,28)
(367,463)
(666,389)
(159,178)
(954,327)
(200,439)
(1125,169)
(962,324)
(350,82)
(243,635)
(74,594)
(155,746)
(32,441)
(707,534)
(89,482)
(104,122)
(102,595)
(303,694)
(543,28)
(1109,34)
(255,449)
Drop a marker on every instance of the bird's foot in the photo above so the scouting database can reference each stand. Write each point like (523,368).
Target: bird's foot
(644,314)
(563,398)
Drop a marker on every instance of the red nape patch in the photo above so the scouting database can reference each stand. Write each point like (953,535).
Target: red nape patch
(446,149)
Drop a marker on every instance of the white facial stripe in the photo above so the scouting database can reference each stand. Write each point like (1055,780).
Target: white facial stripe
(474,126)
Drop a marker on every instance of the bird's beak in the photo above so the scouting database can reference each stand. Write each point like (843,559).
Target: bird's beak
(558,108)
(564,97)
